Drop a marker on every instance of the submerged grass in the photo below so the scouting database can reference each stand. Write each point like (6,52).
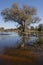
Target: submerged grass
(19,56)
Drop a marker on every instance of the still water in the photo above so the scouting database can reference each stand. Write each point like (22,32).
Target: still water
(13,40)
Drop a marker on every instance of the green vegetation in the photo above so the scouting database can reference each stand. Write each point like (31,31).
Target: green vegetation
(39,42)
(40,27)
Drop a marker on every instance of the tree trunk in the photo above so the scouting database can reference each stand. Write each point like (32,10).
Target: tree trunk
(23,39)
(23,27)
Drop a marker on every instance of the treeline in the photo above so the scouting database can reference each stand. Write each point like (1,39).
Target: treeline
(2,29)
(39,28)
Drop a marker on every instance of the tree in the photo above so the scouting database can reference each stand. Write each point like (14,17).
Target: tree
(24,15)
(32,28)
(40,27)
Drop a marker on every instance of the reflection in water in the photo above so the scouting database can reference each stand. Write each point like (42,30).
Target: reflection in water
(3,37)
(14,39)
(9,40)
(28,40)
(32,40)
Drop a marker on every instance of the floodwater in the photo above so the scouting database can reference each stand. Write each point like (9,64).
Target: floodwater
(13,39)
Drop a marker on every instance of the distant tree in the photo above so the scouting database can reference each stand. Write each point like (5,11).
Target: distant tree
(40,27)
(32,28)
(36,28)
(2,28)
(24,15)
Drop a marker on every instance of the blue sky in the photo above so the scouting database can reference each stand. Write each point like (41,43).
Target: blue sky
(38,4)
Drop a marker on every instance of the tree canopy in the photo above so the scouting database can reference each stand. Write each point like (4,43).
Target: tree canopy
(24,15)
(40,27)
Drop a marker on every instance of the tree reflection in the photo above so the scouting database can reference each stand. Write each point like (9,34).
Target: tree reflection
(25,39)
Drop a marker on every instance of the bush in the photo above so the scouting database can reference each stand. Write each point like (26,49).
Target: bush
(39,41)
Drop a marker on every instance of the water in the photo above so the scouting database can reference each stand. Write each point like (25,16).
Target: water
(13,39)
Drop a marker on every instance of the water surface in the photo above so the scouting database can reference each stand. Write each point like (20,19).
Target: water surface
(13,39)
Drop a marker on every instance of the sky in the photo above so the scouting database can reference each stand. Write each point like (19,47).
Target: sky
(38,4)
